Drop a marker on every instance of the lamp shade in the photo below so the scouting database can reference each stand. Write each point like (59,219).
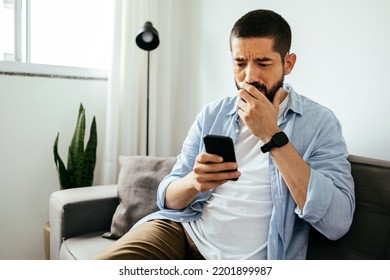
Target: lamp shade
(147,37)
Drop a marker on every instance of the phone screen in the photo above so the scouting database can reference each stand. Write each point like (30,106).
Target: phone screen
(222,146)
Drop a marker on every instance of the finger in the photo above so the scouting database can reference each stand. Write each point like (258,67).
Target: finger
(278,97)
(207,158)
(216,178)
(224,175)
(242,104)
(246,97)
(204,168)
(252,91)
(241,112)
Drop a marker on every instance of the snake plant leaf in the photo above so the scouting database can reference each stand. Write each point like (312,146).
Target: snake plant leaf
(90,155)
(81,163)
(76,151)
(65,181)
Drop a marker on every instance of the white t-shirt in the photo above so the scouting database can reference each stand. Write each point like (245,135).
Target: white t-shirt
(235,220)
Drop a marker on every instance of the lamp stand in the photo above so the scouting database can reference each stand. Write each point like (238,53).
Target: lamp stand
(147,108)
(147,39)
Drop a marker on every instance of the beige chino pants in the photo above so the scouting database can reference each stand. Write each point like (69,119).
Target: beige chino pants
(153,240)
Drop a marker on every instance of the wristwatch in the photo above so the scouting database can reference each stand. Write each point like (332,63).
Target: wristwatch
(278,140)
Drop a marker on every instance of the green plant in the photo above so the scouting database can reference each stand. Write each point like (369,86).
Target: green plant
(81,163)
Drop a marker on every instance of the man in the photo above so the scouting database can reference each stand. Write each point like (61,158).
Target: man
(291,159)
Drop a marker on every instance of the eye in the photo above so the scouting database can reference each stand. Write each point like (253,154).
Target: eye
(240,64)
(264,65)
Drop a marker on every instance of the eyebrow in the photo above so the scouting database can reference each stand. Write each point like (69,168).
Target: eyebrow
(259,59)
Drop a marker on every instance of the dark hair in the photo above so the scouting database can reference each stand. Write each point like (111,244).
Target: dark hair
(267,24)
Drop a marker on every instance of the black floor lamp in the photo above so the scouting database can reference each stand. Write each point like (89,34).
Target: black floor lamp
(147,39)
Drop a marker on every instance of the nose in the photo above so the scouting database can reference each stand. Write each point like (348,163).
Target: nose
(252,74)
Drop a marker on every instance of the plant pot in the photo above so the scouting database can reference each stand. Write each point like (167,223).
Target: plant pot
(46,240)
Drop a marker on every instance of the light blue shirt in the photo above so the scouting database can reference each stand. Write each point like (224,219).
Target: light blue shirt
(316,134)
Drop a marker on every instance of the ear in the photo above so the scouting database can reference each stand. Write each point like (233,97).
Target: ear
(289,62)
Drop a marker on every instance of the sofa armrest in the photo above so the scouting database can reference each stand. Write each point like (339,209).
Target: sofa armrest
(79,211)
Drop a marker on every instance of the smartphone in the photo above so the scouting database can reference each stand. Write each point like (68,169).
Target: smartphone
(222,146)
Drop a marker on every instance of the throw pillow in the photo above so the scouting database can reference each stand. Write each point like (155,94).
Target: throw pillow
(138,181)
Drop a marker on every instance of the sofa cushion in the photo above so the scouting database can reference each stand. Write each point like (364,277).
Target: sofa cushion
(138,181)
(369,235)
(83,247)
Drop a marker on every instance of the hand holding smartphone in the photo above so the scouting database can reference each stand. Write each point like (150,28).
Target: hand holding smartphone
(222,146)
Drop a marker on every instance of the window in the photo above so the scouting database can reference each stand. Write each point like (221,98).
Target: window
(7,30)
(57,32)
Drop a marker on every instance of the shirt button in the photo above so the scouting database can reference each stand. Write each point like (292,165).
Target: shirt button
(181,219)
(237,130)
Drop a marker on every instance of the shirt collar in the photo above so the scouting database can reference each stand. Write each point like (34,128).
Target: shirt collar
(294,103)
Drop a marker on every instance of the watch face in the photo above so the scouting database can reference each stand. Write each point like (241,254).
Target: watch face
(280,139)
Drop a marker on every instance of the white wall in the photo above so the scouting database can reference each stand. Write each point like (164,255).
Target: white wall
(32,111)
(342,48)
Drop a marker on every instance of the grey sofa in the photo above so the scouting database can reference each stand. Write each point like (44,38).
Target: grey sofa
(80,217)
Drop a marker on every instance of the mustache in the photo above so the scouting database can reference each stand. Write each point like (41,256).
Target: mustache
(260,87)
(269,93)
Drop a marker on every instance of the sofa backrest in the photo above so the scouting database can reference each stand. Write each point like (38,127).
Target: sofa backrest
(369,235)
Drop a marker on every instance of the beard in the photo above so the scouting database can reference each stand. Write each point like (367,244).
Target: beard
(269,93)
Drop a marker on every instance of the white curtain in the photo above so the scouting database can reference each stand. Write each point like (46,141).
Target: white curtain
(170,90)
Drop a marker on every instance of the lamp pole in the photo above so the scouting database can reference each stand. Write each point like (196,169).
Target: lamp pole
(147,39)
(147,107)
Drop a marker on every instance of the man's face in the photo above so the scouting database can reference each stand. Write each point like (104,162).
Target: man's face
(256,63)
